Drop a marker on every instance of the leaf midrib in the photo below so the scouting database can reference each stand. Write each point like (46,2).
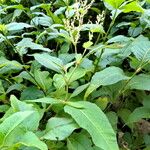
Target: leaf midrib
(96,128)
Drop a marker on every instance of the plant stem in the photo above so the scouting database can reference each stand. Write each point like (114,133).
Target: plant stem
(98,60)
(111,25)
(67,81)
(97,40)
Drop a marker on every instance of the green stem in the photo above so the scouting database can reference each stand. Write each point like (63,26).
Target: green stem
(67,81)
(75,48)
(111,25)
(98,38)
(98,60)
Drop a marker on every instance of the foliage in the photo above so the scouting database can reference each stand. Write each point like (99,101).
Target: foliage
(74,74)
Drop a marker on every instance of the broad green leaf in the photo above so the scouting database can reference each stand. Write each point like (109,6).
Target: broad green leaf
(102,102)
(79,142)
(113,118)
(14,26)
(4,108)
(133,6)
(44,6)
(119,38)
(138,114)
(16,86)
(44,21)
(19,6)
(29,139)
(75,74)
(92,119)
(140,82)
(59,128)
(26,43)
(17,13)
(124,114)
(3,38)
(43,79)
(145,19)
(7,66)
(59,81)
(108,76)
(114,3)
(19,105)
(87,44)
(135,31)
(62,33)
(46,100)
(13,123)
(140,50)
(93,28)
(79,89)
(31,92)
(50,62)
(27,76)
(146,101)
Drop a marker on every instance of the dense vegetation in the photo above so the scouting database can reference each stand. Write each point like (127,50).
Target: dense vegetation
(74,75)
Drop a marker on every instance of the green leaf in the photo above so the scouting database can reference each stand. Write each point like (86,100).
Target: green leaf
(4,108)
(59,128)
(87,44)
(80,142)
(27,76)
(19,105)
(46,100)
(75,74)
(44,21)
(105,77)
(4,38)
(145,19)
(93,28)
(92,119)
(79,89)
(102,102)
(133,6)
(43,79)
(50,62)
(59,81)
(124,114)
(113,118)
(140,50)
(140,82)
(118,38)
(7,66)
(14,26)
(138,114)
(146,101)
(13,123)
(29,139)
(26,43)
(71,76)
(16,86)
(31,93)
(114,3)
